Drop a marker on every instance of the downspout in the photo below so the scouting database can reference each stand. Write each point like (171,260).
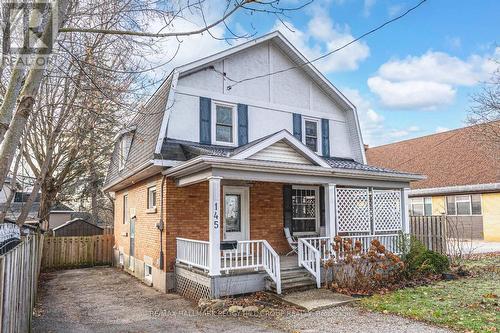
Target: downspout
(160,225)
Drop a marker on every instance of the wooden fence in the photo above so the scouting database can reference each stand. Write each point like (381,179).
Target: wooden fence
(431,231)
(19,271)
(68,252)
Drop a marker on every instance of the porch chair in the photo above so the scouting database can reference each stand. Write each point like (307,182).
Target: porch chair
(292,241)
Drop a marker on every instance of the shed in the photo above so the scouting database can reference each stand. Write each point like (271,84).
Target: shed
(78,227)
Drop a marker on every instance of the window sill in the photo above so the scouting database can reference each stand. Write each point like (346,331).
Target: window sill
(151,210)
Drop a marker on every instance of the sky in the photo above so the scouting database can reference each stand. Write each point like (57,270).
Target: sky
(414,77)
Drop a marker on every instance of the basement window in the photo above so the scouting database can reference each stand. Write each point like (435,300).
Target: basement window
(148,273)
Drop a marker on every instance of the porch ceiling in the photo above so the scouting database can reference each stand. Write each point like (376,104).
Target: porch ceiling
(202,167)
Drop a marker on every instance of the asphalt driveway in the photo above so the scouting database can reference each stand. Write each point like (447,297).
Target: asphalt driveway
(105,299)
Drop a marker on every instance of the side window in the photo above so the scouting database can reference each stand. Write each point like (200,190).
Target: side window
(450,206)
(125,209)
(151,197)
(476,204)
(123,149)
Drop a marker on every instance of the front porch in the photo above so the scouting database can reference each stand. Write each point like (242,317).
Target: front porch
(258,190)
(357,213)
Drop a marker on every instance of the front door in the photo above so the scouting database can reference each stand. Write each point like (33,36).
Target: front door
(236,213)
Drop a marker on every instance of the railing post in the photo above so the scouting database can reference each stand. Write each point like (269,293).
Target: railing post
(405,214)
(330,209)
(214,225)
(301,251)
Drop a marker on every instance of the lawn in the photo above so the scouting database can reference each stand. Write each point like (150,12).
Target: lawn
(469,304)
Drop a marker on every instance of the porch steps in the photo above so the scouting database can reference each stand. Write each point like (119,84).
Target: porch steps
(292,279)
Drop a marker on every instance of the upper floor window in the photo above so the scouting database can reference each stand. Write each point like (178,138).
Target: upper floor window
(421,206)
(224,124)
(463,204)
(152,197)
(311,134)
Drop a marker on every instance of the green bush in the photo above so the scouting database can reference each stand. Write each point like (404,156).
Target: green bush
(420,260)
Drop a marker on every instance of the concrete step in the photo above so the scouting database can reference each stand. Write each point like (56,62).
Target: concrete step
(297,278)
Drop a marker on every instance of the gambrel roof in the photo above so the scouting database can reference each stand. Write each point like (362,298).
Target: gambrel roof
(150,146)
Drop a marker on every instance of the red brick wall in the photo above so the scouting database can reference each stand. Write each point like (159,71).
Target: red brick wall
(266,215)
(186,215)
(147,236)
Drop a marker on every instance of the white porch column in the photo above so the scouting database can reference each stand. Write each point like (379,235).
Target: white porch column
(330,209)
(214,225)
(405,206)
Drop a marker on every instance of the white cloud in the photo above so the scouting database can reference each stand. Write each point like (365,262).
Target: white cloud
(322,36)
(411,94)
(429,80)
(395,10)
(441,129)
(367,6)
(373,127)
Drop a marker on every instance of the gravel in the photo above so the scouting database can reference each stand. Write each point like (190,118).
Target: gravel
(353,320)
(105,299)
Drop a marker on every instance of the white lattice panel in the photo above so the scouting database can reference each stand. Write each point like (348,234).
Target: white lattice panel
(387,210)
(353,210)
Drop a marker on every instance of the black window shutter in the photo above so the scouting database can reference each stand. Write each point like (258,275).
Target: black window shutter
(325,137)
(287,207)
(321,206)
(297,126)
(242,124)
(205,123)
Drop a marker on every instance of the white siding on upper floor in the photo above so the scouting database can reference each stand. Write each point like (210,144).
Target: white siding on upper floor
(280,152)
(184,122)
(339,140)
(262,122)
(271,100)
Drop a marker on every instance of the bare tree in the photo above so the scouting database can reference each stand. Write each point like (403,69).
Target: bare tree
(71,86)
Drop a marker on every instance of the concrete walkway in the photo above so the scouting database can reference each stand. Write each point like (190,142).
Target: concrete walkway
(316,299)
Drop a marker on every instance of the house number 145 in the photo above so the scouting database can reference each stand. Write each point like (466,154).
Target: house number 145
(216,216)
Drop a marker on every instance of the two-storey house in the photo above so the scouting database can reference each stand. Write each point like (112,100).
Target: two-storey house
(230,155)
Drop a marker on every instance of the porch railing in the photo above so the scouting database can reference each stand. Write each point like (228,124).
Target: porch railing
(310,259)
(253,254)
(324,244)
(193,252)
(250,254)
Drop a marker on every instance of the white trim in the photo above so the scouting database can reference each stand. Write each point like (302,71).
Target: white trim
(202,163)
(300,147)
(166,163)
(214,222)
(148,277)
(318,132)
(124,131)
(317,209)
(213,125)
(167,111)
(330,211)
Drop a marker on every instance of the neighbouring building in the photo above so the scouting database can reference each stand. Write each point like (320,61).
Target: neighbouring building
(231,151)
(463,178)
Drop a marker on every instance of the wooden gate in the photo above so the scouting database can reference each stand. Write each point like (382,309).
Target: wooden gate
(73,252)
(431,231)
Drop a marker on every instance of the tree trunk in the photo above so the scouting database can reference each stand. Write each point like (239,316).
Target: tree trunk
(27,98)
(47,199)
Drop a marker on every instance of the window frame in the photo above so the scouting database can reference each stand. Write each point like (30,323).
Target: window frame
(234,123)
(148,277)
(469,201)
(126,210)
(123,150)
(151,205)
(318,133)
(317,210)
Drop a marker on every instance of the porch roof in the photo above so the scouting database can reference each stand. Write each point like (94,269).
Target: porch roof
(201,167)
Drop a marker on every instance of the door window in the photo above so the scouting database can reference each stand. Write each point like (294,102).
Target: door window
(232,212)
